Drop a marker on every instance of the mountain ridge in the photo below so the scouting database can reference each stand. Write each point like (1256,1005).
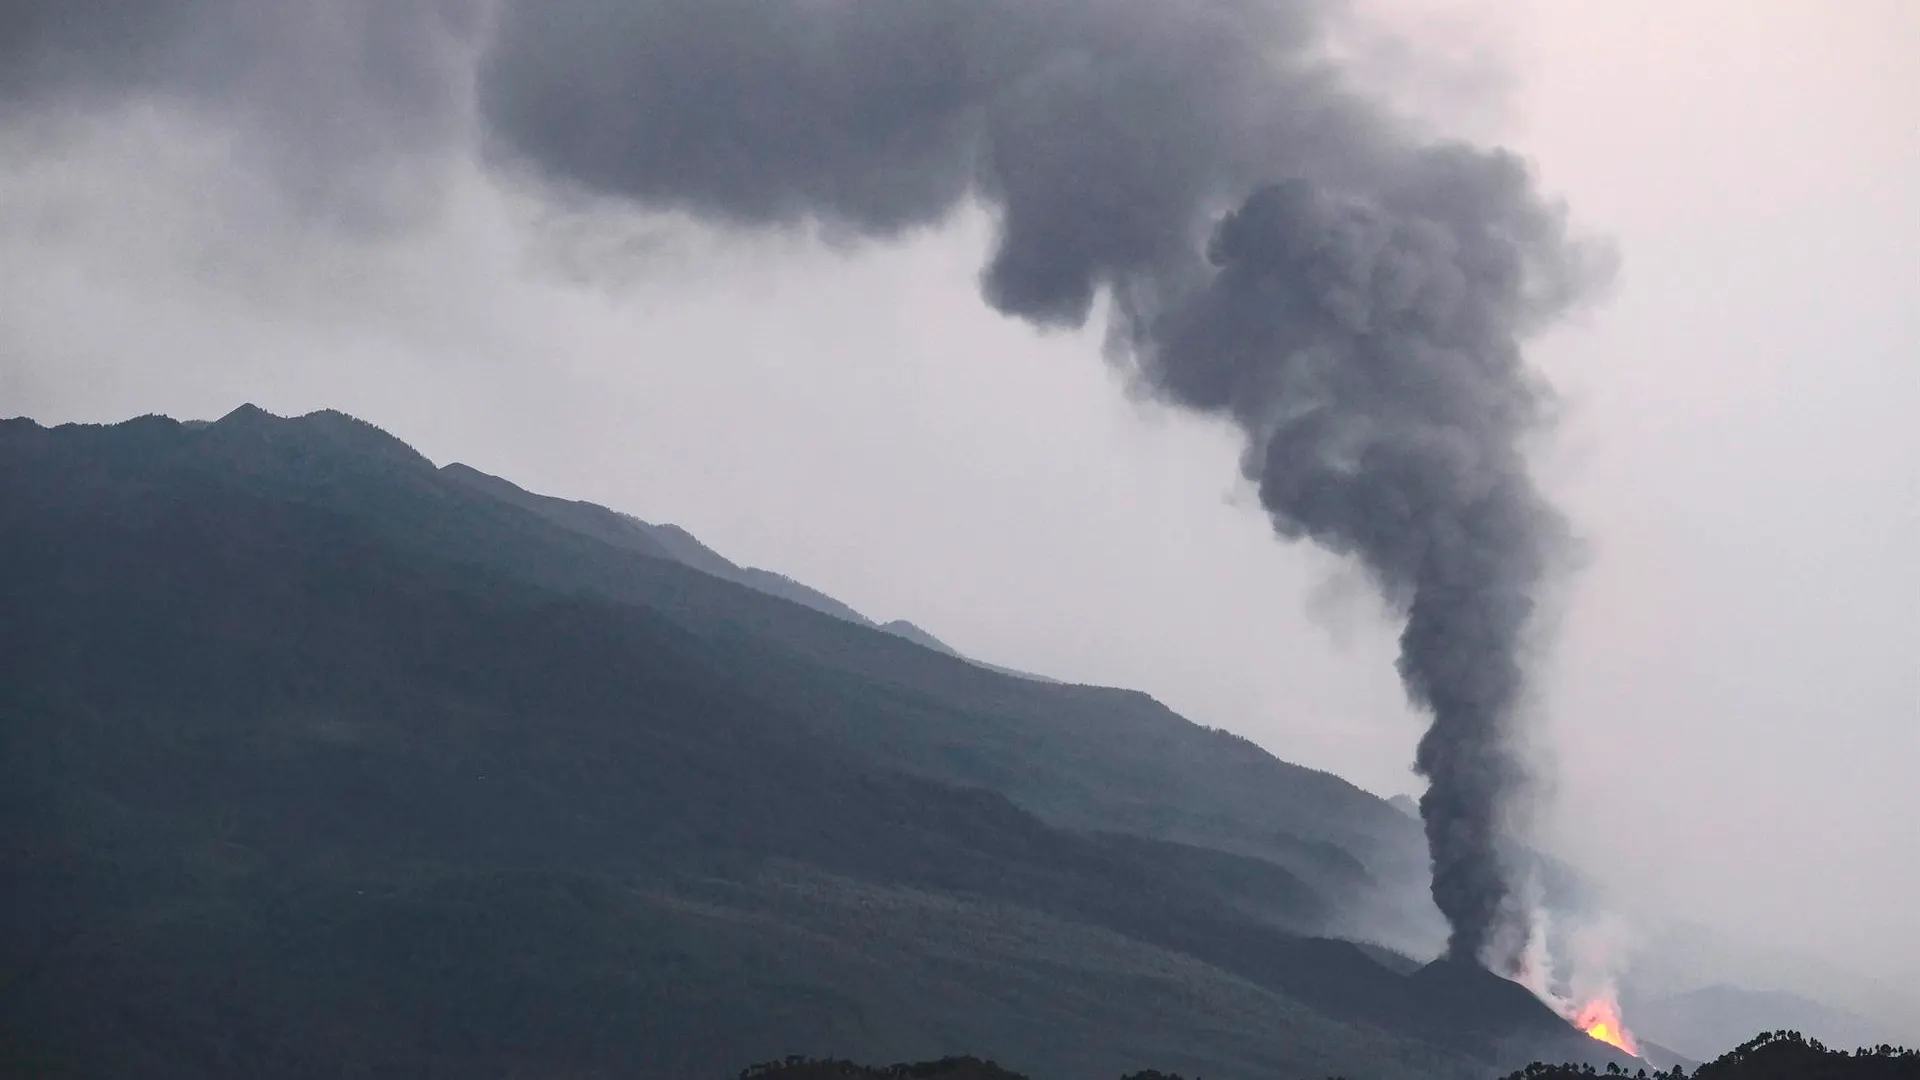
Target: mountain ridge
(1154,713)
(274,668)
(674,542)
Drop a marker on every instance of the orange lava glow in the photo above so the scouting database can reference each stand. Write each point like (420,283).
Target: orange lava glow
(1600,1018)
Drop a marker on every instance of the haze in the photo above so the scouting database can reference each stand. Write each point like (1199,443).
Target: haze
(1733,703)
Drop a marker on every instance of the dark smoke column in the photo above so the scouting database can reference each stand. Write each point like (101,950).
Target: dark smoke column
(1359,316)
(1368,347)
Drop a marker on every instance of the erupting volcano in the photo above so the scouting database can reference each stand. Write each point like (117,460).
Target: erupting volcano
(1268,245)
(1600,1018)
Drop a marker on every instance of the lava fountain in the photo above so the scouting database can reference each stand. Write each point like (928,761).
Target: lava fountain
(1600,1019)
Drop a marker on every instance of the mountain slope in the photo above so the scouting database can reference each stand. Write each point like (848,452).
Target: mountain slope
(905,629)
(255,673)
(659,541)
(673,542)
(607,524)
(227,722)
(1084,756)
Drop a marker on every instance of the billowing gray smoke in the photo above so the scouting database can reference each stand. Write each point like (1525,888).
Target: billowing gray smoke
(1278,250)
(1358,315)
(1367,347)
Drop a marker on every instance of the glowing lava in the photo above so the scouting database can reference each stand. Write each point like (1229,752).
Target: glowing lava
(1600,1018)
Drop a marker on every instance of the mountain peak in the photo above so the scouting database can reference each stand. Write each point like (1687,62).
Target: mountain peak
(247,412)
(328,427)
(905,629)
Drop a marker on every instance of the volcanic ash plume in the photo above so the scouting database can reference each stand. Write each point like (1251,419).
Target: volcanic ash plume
(1277,249)
(1358,315)
(1366,346)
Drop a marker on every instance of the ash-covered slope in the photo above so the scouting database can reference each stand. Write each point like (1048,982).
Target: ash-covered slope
(312,751)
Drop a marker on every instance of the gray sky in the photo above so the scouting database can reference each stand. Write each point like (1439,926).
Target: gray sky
(1733,705)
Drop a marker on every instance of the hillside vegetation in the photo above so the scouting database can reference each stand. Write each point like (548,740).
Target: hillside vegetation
(1782,1055)
(1778,1055)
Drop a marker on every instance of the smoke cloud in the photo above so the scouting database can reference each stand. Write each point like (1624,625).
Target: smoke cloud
(1276,248)
(1358,315)
(347,106)
(1367,346)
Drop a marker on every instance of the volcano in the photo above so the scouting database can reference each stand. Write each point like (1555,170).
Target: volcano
(309,726)
(1477,1002)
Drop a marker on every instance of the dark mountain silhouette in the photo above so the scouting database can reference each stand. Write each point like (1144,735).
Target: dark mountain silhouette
(957,1068)
(1703,1021)
(1781,1055)
(905,629)
(663,541)
(1778,1055)
(673,542)
(1089,756)
(319,760)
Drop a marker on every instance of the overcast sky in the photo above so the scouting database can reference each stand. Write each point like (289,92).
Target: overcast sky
(1732,707)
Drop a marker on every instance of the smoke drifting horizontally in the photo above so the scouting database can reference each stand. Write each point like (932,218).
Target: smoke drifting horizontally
(1278,249)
